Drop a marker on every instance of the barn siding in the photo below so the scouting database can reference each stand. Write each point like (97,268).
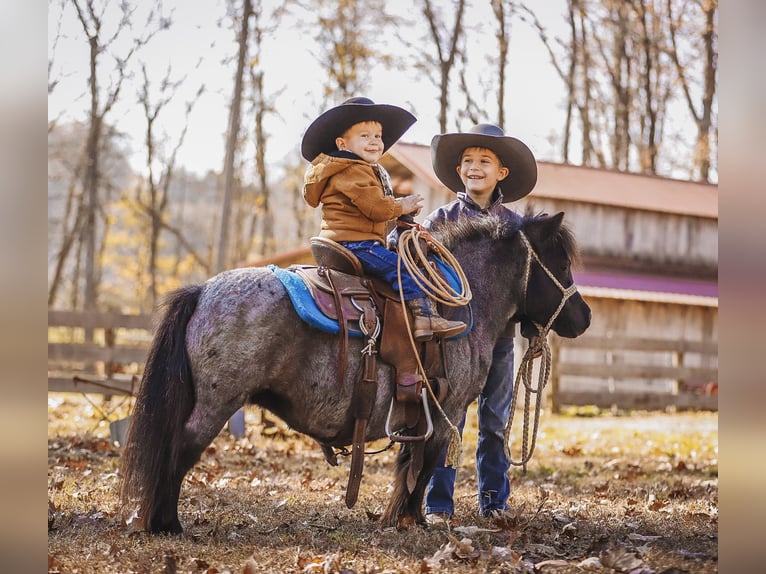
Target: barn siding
(642,236)
(641,319)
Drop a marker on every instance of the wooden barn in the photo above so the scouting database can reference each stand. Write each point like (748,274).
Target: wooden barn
(650,274)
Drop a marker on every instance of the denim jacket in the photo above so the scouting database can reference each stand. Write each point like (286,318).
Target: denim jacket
(464,206)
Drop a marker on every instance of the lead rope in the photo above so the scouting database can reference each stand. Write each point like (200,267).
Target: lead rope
(524,374)
(435,286)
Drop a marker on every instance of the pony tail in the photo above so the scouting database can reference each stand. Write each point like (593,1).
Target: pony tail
(164,402)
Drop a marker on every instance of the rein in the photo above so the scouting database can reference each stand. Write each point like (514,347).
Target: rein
(524,374)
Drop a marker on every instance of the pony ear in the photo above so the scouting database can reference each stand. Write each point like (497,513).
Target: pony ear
(544,227)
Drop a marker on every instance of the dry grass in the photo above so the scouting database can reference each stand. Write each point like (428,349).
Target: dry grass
(604,494)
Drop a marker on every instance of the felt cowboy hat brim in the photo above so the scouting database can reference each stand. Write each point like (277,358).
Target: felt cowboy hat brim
(321,134)
(446,150)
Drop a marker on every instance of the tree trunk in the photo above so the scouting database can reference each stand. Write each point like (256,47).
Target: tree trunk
(91,181)
(232,135)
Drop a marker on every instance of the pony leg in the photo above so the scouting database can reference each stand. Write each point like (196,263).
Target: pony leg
(164,514)
(405,508)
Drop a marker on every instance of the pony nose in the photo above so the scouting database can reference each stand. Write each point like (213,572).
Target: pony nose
(588,314)
(578,318)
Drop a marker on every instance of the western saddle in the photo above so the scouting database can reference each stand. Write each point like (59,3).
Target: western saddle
(342,291)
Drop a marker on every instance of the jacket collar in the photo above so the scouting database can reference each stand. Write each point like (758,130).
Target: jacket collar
(497,199)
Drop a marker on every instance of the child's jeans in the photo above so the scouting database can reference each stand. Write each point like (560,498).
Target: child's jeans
(378,261)
(491,464)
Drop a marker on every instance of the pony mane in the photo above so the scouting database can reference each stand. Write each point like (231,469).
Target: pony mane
(463,229)
(493,227)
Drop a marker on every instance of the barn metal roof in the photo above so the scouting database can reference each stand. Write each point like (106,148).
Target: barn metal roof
(592,185)
(647,288)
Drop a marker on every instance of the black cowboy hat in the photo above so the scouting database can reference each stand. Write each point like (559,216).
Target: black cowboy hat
(446,150)
(320,135)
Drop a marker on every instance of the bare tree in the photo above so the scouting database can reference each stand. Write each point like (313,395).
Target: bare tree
(73,216)
(232,137)
(503,11)
(67,206)
(656,86)
(702,35)
(349,36)
(158,185)
(445,42)
(618,82)
(53,82)
(577,78)
(102,100)
(260,213)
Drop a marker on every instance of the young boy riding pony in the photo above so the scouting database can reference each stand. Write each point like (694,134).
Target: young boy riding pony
(344,145)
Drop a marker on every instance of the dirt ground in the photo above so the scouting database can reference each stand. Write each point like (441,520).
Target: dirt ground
(603,493)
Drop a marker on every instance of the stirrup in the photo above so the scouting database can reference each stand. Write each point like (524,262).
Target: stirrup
(409,438)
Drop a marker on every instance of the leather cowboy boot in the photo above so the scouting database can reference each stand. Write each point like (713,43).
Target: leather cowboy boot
(427,322)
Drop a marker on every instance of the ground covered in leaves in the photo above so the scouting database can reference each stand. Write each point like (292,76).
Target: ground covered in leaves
(604,493)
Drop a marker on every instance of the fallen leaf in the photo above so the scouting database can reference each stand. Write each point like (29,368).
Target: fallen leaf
(250,567)
(542,549)
(473,530)
(170,563)
(463,547)
(574,450)
(592,563)
(621,559)
(601,488)
(373,516)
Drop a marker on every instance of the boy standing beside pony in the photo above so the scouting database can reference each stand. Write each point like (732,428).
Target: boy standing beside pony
(486,169)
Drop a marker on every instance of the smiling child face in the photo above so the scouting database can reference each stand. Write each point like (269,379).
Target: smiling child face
(480,171)
(365,139)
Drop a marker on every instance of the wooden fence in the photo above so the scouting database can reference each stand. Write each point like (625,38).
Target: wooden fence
(110,362)
(93,352)
(597,370)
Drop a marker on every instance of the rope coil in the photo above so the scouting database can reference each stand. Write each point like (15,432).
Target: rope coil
(434,285)
(427,277)
(524,374)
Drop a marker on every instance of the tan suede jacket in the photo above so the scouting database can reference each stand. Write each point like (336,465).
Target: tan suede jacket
(354,206)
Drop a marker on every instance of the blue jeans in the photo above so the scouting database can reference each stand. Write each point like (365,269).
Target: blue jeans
(378,261)
(491,463)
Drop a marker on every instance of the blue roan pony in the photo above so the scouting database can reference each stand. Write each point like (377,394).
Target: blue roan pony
(236,339)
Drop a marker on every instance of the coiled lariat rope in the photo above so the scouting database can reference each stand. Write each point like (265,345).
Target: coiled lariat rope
(428,278)
(524,374)
(434,285)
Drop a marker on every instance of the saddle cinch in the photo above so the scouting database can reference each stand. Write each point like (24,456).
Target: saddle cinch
(369,305)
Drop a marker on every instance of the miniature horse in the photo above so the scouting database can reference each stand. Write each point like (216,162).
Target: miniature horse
(236,339)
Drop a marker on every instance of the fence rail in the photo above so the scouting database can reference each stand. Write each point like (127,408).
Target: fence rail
(111,362)
(95,352)
(604,359)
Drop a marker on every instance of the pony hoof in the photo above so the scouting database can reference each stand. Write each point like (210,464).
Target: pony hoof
(405,522)
(174,528)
